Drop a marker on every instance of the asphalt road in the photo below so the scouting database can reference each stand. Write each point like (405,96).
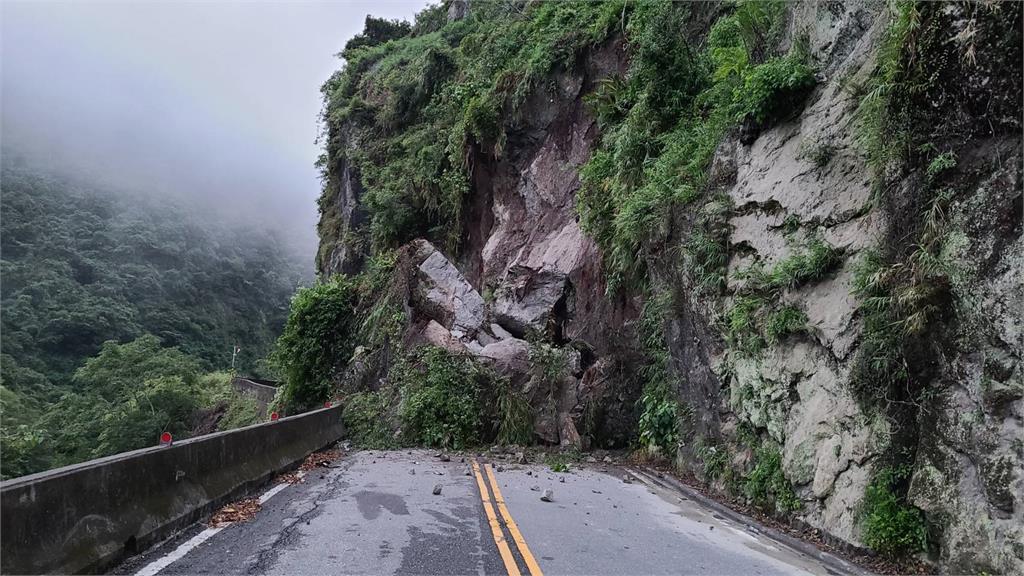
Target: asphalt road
(376,513)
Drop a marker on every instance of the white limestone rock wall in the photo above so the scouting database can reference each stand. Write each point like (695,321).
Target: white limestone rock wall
(796,391)
(969,472)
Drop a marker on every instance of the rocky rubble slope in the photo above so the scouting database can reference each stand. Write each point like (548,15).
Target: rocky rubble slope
(854,361)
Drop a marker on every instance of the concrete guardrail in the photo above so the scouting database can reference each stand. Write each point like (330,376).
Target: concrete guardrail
(258,389)
(88,516)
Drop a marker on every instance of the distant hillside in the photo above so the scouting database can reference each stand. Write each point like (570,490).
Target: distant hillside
(82,266)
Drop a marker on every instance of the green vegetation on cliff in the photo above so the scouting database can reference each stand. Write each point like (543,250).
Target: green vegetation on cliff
(739,251)
(421,104)
(662,122)
(415,107)
(935,99)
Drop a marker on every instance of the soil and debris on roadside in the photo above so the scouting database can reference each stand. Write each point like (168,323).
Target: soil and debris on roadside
(240,511)
(289,478)
(320,459)
(247,508)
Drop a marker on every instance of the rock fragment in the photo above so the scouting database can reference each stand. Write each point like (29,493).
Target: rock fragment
(548,496)
(437,489)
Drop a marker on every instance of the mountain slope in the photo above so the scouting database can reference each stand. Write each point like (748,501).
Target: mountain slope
(774,243)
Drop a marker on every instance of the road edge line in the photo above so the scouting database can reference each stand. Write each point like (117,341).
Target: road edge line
(499,538)
(154,567)
(513,529)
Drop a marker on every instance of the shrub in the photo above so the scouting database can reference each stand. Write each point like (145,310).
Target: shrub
(365,416)
(891,526)
(939,164)
(783,322)
(515,421)
(663,122)
(119,369)
(440,398)
(23,448)
(559,467)
(659,406)
(377,31)
(753,321)
(317,341)
(881,132)
(437,90)
(561,461)
(743,320)
(809,264)
(766,486)
(708,257)
(900,301)
(772,89)
(242,409)
(818,153)
(550,364)
(714,460)
(163,404)
(659,421)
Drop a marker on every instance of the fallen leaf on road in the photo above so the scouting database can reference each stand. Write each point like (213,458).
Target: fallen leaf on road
(241,511)
(323,459)
(289,478)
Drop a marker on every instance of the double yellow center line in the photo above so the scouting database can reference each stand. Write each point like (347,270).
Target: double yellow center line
(499,537)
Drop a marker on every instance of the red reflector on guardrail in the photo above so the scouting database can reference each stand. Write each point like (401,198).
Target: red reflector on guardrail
(165,439)
(274,416)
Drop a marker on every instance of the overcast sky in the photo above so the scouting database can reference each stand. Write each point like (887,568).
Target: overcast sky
(216,102)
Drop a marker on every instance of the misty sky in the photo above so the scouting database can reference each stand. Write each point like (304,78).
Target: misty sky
(215,102)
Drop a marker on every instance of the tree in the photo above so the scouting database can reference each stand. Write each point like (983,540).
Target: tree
(121,370)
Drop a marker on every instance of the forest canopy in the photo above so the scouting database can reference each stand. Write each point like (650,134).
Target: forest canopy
(120,315)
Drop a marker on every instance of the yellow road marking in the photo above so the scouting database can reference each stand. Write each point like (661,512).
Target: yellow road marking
(517,536)
(492,519)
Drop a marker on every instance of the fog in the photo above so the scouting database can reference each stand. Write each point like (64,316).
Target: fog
(215,103)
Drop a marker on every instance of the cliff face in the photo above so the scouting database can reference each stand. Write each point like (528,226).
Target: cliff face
(828,322)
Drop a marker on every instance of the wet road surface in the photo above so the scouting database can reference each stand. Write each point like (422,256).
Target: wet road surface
(376,513)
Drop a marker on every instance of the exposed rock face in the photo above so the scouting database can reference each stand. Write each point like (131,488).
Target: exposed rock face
(970,469)
(457,10)
(340,251)
(443,294)
(526,269)
(797,391)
